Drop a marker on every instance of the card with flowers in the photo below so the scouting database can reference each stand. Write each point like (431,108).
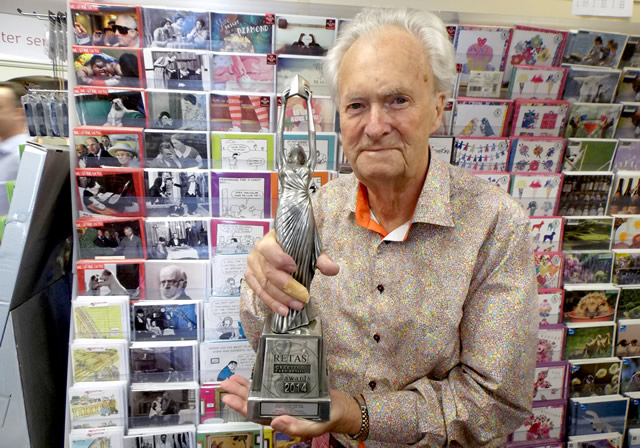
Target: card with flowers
(551,339)
(546,423)
(548,269)
(536,154)
(550,381)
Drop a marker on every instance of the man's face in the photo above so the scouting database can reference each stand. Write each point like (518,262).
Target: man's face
(232,366)
(105,140)
(388,108)
(107,234)
(170,283)
(128,232)
(99,69)
(99,233)
(94,146)
(126,31)
(8,112)
(163,437)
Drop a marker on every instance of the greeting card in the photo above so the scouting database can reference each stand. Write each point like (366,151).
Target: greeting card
(543,83)
(539,118)
(480,118)
(481,153)
(591,85)
(536,154)
(538,193)
(481,48)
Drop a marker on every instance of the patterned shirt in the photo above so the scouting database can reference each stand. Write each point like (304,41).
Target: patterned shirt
(438,331)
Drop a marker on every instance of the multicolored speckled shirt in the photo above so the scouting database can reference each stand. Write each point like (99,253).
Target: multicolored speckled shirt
(438,331)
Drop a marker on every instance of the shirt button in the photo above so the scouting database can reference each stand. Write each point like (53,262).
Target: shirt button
(372,384)
(380,288)
(376,337)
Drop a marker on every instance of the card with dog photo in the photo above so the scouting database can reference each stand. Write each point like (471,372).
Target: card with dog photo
(165,320)
(480,48)
(549,269)
(240,113)
(536,154)
(326,147)
(110,192)
(162,362)
(587,120)
(481,153)
(177,279)
(586,47)
(550,381)
(222,319)
(587,267)
(584,194)
(123,277)
(582,233)
(626,267)
(585,303)
(591,377)
(171,28)
(304,35)
(630,374)
(102,25)
(243,73)
(177,193)
(297,116)
(110,238)
(500,179)
(97,405)
(590,340)
(480,118)
(228,271)
(107,67)
(104,147)
(629,87)
(546,234)
(164,404)
(629,124)
(100,106)
(550,305)
(591,85)
(243,151)
(627,156)
(176,150)
(219,361)
(309,68)
(538,193)
(526,81)
(177,69)
(168,437)
(177,238)
(99,360)
(243,195)
(178,110)
(626,232)
(539,117)
(101,318)
(237,236)
(589,154)
(242,33)
(628,337)
(551,340)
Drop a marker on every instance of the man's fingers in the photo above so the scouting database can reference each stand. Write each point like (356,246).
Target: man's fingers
(327,266)
(298,427)
(269,248)
(237,389)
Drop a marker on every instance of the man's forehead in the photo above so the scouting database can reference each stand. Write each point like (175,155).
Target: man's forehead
(126,20)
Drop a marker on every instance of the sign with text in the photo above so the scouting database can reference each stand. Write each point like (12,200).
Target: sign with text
(22,39)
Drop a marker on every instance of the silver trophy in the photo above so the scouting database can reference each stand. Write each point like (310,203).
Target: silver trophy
(290,374)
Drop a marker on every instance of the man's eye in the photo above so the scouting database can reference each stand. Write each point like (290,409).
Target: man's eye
(400,100)
(354,106)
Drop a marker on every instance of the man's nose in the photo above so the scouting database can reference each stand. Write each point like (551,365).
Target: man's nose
(377,122)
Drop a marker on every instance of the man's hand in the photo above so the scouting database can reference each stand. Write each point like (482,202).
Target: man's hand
(346,417)
(268,275)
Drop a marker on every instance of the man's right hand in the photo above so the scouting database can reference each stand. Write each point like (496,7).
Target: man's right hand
(269,271)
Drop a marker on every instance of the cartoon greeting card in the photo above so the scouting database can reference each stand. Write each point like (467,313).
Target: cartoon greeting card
(548,269)
(546,234)
(539,118)
(550,303)
(499,179)
(481,153)
(536,154)
(543,83)
(480,118)
(538,193)
(480,48)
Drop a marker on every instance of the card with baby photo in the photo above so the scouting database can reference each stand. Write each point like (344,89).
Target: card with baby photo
(108,147)
(177,193)
(594,377)
(176,150)
(222,319)
(527,82)
(629,87)
(165,320)
(177,69)
(296,116)
(626,267)
(326,147)
(588,120)
(551,340)
(627,156)
(178,110)
(242,33)
(626,232)
(550,303)
(99,278)
(546,423)
(585,193)
(228,271)
(546,234)
(101,25)
(480,48)
(309,68)
(99,360)
(110,238)
(536,154)
(219,361)
(243,151)
(500,179)
(629,124)
(591,85)
(163,404)
(243,73)
(628,337)
(162,362)
(236,236)
(481,153)
(177,238)
(538,193)
(116,192)
(240,113)
(480,118)
(440,147)
(100,106)
(589,340)
(304,35)
(586,303)
(534,46)
(170,28)
(548,269)
(587,267)
(107,67)
(101,317)
(587,47)
(630,373)
(546,118)
(589,154)
(177,279)
(625,196)
(97,405)
(243,195)
(582,233)
(550,381)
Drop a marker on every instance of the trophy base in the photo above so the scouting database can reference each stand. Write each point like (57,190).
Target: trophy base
(290,375)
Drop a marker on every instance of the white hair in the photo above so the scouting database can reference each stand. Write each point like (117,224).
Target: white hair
(425,26)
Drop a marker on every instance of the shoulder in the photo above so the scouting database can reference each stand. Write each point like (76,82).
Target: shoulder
(336,195)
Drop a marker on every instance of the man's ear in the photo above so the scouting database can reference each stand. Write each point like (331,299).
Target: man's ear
(439,102)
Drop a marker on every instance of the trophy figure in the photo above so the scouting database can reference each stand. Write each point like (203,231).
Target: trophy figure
(290,374)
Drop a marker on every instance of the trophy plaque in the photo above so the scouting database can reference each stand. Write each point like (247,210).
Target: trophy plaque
(290,374)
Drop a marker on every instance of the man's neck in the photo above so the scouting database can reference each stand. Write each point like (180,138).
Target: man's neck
(392,208)
(13,133)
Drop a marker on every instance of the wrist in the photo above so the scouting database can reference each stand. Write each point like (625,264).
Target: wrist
(363,431)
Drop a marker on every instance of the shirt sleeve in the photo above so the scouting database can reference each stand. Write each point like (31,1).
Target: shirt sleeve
(252,315)
(489,393)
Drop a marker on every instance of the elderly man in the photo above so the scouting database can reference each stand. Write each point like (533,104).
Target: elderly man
(131,245)
(173,282)
(97,156)
(126,29)
(428,312)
